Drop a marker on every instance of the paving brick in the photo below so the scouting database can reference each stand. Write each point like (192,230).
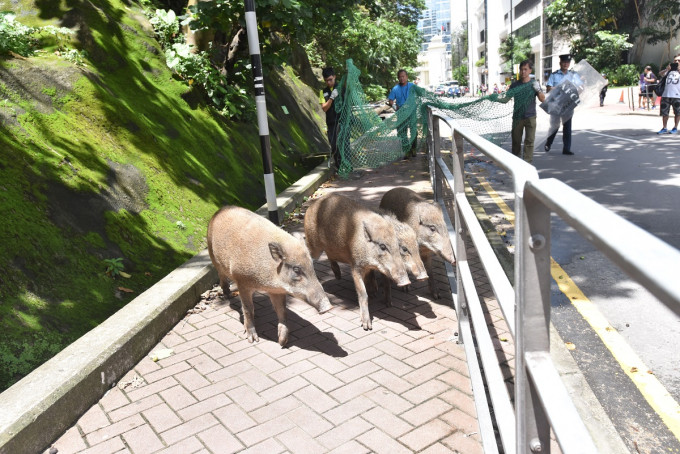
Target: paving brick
(461,443)
(256,379)
(387,422)
(93,419)
(274,409)
(362,356)
(390,381)
(348,410)
(107,447)
(189,445)
(389,400)
(299,442)
(427,434)
(439,448)
(463,401)
(238,356)
(269,446)
(114,398)
(229,371)
(214,349)
(135,407)
(204,406)
(395,366)
(426,411)
(322,379)
(142,439)
(153,388)
(343,433)
(354,389)
(265,430)
(328,364)
(218,440)
(315,398)
(70,441)
(204,364)
(161,417)
(234,419)
(394,350)
(284,389)
(217,388)
(166,372)
(178,397)
(146,366)
(358,371)
(114,430)
(189,428)
(296,356)
(425,391)
(379,442)
(309,421)
(461,421)
(421,359)
(424,373)
(265,363)
(351,447)
(246,398)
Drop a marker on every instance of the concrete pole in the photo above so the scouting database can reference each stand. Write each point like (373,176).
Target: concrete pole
(261,105)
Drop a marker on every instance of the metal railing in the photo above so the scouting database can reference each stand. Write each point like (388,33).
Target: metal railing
(541,401)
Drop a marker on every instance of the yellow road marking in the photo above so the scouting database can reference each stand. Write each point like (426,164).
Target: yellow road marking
(650,387)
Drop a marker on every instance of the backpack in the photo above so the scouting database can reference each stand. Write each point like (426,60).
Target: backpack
(661,86)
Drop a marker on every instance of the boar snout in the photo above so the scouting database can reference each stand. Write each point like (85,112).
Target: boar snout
(401,279)
(422,276)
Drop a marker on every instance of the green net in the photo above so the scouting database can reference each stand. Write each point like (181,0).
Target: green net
(365,140)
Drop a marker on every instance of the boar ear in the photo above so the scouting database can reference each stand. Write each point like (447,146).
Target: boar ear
(277,252)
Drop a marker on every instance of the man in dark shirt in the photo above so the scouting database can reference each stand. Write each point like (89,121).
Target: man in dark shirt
(525,108)
(330,93)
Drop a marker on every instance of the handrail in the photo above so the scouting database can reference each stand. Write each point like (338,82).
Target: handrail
(540,398)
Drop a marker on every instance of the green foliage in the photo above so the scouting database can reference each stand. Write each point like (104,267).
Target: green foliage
(623,75)
(166,26)
(460,74)
(15,37)
(608,51)
(374,92)
(479,63)
(114,266)
(514,50)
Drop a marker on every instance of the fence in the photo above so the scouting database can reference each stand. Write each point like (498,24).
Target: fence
(541,401)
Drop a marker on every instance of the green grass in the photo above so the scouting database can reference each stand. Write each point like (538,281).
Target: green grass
(65,128)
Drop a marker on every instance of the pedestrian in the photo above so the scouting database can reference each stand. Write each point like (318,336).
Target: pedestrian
(405,120)
(526,124)
(663,72)
(330,94)
(647,83)
(603,92)
(495,89)
(562,75)
(671,97)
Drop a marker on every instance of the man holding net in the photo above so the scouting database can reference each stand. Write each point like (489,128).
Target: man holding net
(525,110)
(329,94)
(399,95)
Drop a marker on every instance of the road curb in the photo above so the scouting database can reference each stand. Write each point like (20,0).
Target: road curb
(44,404)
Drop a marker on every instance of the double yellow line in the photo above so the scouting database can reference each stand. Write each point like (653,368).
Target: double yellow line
(650,387)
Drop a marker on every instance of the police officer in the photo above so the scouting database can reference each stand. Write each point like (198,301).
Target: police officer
(555,78)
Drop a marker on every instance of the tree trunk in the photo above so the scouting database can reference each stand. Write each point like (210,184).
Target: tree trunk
(199,39)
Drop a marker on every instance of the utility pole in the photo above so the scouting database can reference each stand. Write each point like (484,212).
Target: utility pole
(261,105)
(512,43)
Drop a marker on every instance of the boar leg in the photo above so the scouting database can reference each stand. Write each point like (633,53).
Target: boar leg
(387,289)
(279,303)
(363,299)
(432,283)
(371,283)
(248,314)
(336,269)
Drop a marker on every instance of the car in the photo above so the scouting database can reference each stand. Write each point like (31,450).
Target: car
(454,91)
(440,91)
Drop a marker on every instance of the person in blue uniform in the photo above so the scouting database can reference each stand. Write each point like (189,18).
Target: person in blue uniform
(561,75)
(329,94)
(398,95)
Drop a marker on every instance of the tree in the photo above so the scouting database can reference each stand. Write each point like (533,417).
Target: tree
(514,50)
(662,22)
(606,55)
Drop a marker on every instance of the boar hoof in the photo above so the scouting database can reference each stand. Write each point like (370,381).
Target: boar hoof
(405,288)
(252,335)
(283,335)
(367,324)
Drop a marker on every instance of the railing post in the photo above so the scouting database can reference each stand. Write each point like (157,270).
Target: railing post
(436,154)
(532,296)
(458,162)
(430,147)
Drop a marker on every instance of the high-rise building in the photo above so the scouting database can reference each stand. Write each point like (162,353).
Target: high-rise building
(436,21)
(434,59)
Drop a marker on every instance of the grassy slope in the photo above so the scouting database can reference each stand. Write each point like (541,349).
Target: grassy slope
(103,162)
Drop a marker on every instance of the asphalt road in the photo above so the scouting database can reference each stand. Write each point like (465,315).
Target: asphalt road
(624,165)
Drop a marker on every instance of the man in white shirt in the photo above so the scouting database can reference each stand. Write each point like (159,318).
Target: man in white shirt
(671,97)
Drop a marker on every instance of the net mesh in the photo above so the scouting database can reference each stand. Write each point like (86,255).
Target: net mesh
(365,140)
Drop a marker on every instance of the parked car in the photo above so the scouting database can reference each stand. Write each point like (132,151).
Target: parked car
(454,91)
(440,91)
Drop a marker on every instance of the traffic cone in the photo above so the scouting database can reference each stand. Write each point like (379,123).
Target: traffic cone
(621,98)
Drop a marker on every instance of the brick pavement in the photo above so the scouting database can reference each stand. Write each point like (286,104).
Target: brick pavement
(402,387)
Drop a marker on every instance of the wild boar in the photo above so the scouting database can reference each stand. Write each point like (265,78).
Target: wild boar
(352,233)
(409,250)
(428,222)
(260,257)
